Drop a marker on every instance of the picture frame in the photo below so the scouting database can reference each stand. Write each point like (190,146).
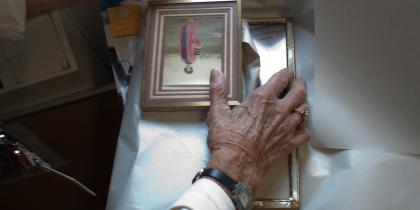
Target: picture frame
(293,199)
(185,39)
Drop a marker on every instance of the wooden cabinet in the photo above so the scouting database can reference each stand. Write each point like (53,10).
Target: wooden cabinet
(55,64)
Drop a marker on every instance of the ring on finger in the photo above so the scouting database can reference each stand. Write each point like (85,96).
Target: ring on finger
(300,111)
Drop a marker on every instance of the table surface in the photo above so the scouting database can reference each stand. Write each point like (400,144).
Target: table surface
(330,179)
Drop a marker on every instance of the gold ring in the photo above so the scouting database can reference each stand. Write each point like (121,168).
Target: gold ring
(302,113)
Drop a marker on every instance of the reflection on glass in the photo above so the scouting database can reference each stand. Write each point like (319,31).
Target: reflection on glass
(270,41)
(192,47)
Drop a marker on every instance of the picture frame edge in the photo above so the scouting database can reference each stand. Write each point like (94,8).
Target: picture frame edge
(293,203)
(147,104)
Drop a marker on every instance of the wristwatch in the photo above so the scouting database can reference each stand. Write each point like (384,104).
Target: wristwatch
(240,193)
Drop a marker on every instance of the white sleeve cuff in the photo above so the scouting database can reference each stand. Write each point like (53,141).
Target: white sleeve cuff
(12,20)
(204,194)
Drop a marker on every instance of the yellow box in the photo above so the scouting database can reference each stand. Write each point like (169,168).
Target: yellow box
(124,20)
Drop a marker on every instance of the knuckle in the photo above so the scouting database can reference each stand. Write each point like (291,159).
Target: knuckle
(283,80)
(307,135)
(259,94)
(280,78)
(214,87)
(286,103)
(286,73)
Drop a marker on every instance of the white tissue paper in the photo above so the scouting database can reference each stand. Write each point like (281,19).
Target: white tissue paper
(151,172)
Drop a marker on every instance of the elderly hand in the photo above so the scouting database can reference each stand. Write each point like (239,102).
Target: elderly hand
(246,140)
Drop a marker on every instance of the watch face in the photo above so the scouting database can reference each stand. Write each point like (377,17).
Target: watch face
(242,196)
(198,175)
(244,199)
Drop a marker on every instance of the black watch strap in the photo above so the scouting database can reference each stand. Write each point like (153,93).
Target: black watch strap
(219,176)
(240,193)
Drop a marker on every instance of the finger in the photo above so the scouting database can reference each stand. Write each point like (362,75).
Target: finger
(278,82)
(295,119)
(295,97)
(301,136)
(218,94)
(303,124)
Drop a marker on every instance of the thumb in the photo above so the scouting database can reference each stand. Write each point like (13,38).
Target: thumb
(218,94)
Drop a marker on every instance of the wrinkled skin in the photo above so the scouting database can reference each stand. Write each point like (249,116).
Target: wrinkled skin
(246,140)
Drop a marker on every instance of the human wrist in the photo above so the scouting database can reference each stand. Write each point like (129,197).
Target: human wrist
(236,164)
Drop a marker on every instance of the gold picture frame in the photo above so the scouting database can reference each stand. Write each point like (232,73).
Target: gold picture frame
(293,201)
(185,39)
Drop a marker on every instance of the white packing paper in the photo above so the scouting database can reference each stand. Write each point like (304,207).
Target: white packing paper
(330,179)
(367,89)
(359,180)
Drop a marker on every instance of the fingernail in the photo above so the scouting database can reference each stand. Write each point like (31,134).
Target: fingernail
(220,73)
(213,74)
(217,72)
(214,71)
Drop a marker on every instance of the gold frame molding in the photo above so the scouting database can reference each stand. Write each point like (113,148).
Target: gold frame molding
(293,202)
(190,98)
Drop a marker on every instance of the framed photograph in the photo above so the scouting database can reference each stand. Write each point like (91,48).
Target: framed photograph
(274,37)
(185,40)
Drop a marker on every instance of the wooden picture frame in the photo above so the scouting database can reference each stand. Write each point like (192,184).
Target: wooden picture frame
(185,39)
(293,199)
